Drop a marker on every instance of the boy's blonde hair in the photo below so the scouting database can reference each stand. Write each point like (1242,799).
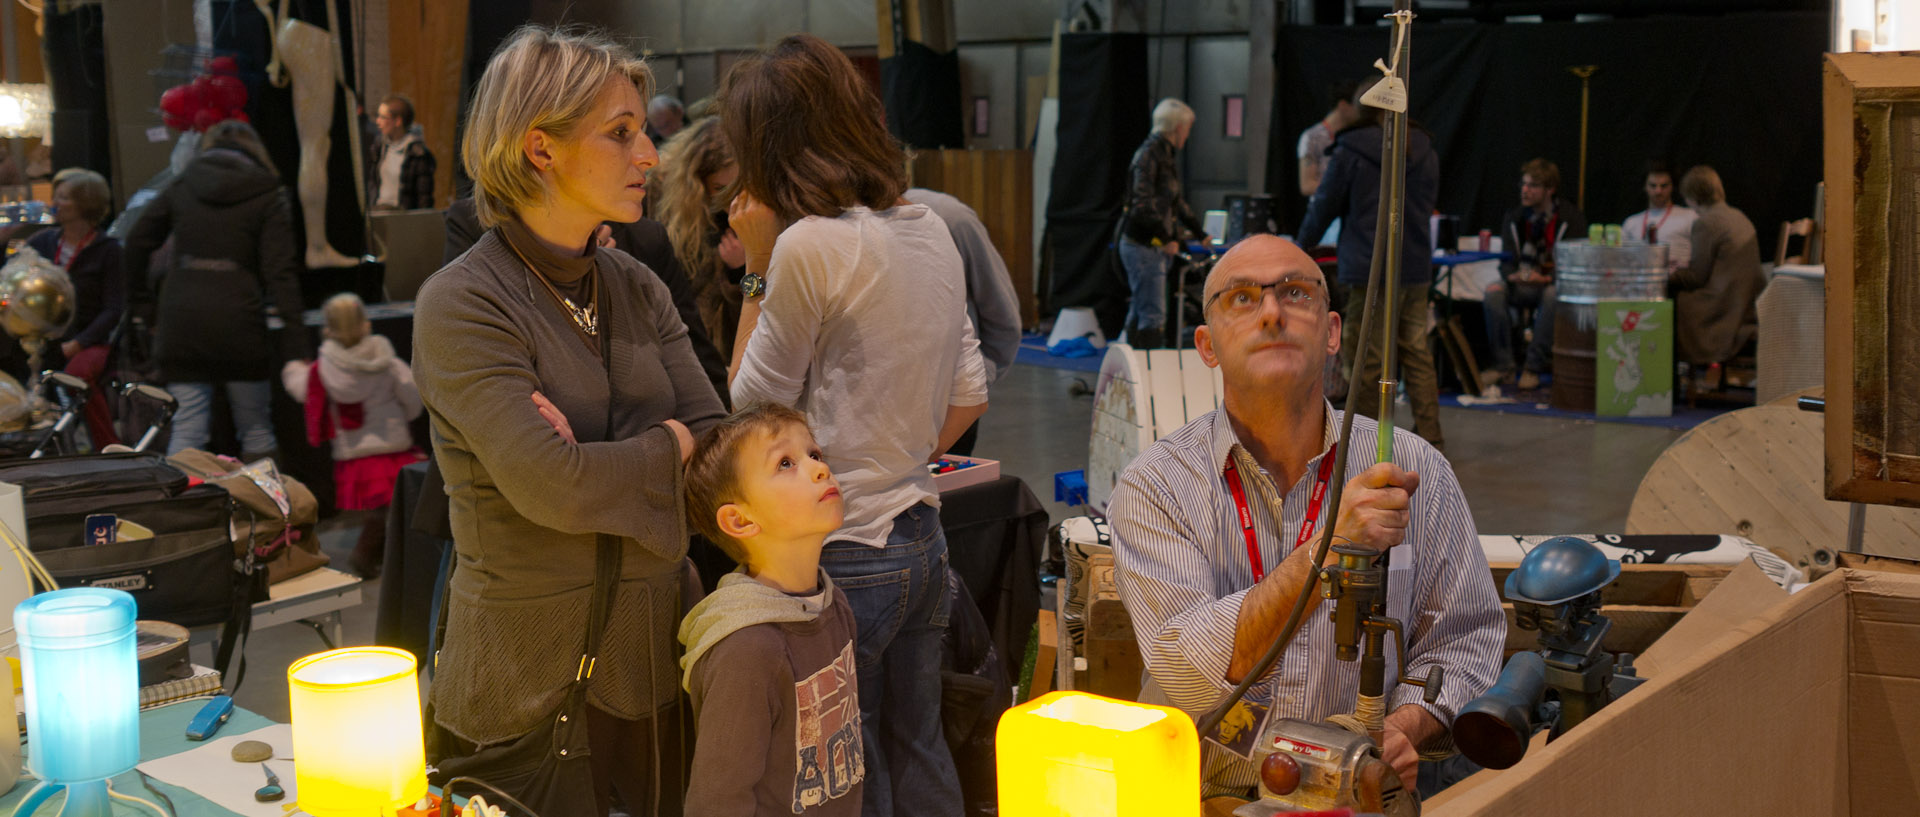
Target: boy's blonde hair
(346,319)
(713,472)
(540,79)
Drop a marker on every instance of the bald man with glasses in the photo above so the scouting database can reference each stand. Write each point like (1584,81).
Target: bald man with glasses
(1215,523)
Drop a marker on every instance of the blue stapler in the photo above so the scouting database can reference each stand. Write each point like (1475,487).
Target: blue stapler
(210,717)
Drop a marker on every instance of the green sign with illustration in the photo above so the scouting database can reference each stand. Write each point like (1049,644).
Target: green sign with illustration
(1634,371)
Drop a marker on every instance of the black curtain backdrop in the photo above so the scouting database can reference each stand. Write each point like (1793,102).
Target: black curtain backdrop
(921,89)
(1739,93)
(1105,112)
(74,51)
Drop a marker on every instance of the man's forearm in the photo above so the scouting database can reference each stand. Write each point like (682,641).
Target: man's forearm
(1419,725)
(959,419)
(1264,610)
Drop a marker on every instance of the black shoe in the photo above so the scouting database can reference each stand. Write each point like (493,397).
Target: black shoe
(1146,339)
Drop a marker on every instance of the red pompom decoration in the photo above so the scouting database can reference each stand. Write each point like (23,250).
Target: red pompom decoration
(226,92)
(179,103)
(206,118)
(239,115)
(224,66)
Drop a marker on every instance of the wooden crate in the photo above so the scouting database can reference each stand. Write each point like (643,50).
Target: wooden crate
(1643,603)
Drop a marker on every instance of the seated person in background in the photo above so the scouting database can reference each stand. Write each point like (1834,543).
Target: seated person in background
(1714,294)
(1663,222)
(646,240)
(1208,596)
(770,658)
(1530,231)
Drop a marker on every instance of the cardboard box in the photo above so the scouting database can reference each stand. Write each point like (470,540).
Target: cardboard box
(980,471)
(1759,703)
(1646,601)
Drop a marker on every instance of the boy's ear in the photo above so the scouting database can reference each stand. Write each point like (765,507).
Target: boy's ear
(735,522)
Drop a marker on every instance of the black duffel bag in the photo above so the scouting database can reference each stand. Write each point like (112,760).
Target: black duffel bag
(185,574)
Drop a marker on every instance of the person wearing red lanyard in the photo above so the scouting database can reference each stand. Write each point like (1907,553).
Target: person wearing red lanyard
(1664,221)
(92,260)
(1541,221)
(1215,524)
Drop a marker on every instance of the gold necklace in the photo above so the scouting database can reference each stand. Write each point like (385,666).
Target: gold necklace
(588,319)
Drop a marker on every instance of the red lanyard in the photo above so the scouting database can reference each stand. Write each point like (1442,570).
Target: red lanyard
(64,254)
(1246,514)
(1653,230)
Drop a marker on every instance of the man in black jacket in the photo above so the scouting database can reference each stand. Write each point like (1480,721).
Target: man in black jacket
(1157,219)
(1350,191)
(645,240)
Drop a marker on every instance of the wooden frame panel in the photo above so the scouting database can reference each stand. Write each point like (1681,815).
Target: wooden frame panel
(1872,129)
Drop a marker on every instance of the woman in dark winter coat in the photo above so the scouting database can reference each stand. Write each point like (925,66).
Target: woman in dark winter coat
(92,261)
(233,285)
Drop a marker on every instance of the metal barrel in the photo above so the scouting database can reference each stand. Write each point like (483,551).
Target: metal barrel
(1586,274)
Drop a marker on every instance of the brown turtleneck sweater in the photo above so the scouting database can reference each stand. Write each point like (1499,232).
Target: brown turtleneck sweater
(525,504)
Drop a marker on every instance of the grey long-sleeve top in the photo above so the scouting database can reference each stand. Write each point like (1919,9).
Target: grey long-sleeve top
(991,302)
(526,505)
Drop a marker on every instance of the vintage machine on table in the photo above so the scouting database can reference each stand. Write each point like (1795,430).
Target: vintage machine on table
(1556,590)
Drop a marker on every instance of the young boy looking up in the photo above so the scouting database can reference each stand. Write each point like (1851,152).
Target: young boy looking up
(770,657)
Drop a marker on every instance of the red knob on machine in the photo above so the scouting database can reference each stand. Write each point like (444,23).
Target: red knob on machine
(1280,773)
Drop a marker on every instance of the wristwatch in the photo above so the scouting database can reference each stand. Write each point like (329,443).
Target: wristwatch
(753,285)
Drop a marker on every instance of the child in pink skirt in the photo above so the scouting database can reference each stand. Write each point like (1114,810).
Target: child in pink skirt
(362,397)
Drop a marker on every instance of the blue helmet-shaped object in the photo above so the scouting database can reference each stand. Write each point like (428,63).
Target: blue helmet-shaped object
(1560,570)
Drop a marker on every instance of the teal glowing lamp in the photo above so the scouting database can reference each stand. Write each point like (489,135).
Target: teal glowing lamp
(78,662)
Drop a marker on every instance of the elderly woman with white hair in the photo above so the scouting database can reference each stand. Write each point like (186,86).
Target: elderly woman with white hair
(1157,219)
(564,399)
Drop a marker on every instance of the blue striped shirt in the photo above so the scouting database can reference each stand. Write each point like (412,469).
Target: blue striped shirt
(1182,571)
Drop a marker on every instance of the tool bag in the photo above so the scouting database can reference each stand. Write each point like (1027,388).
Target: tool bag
(186,573)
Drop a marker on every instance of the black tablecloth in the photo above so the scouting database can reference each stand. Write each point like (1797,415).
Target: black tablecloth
(995,533)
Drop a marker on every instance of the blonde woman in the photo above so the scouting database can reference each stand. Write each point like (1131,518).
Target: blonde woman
(92,260)
(564,397)
(690,186)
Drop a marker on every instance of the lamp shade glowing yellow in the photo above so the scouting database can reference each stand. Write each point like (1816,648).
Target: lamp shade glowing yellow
(357,745)
(1070,754)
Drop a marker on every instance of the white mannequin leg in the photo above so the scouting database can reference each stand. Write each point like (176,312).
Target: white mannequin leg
(307,52)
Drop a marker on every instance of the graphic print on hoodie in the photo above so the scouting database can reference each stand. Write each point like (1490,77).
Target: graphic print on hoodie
(776,697)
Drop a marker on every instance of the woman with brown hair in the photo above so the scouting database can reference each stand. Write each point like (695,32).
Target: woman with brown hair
(855,310)
(563,395)
(691,183)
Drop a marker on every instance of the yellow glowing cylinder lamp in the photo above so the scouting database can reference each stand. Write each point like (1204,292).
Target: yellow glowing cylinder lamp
(1070,754)
(357,746)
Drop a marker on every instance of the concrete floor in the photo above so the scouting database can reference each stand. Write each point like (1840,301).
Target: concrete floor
(1522,474)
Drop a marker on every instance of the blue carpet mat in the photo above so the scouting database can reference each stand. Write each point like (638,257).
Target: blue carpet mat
(1033,352)
(1535,403)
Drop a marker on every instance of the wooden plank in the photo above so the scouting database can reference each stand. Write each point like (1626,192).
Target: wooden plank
(1048,655)
(1196,385)
(427,45)
(1163,382)
(1113,657)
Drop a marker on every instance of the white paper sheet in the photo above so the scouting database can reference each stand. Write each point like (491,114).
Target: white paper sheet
(211,772)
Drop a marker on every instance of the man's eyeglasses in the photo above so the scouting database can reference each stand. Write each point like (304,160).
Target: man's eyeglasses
(1239,300)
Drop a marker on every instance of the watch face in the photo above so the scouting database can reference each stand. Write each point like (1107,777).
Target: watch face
(753,285)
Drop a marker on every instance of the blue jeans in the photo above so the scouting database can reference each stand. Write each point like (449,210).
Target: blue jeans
(1500,325)
(252,403)
(1147,277)
(898,595)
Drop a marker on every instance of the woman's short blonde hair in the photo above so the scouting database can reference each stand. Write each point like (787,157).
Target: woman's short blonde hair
(1170,114)
(539,79)
(88,190)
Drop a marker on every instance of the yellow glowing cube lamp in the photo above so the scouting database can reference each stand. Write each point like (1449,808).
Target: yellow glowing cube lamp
(357,745)
(1070,754)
